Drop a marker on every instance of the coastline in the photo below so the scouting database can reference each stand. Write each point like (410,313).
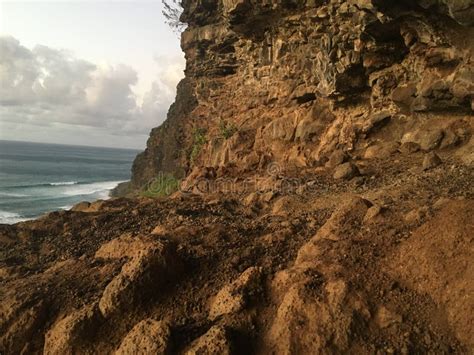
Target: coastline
(11,218)
(38,178)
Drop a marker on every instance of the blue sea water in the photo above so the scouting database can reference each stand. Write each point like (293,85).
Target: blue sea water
(36,178)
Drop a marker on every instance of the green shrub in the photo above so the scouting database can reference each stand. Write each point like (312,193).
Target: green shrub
(199,139)
(226,129)
(162,185)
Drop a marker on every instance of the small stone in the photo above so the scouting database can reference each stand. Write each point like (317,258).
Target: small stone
(372,213)
(427,139)
(380,151)
(159,230)
(431,160)
(385,317)
(358,181)
(251,199)
(450,139)
(346,171)
(337,157)
(404,94)
(268,196)
(409,148)
(415,216)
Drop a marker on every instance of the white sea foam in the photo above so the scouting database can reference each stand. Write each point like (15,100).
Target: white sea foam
(63,183)
(11,217)
(13,194)
(100,188)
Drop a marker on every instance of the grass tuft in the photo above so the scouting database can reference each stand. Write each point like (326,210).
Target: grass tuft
(161,186)
(226,129)
(199,140)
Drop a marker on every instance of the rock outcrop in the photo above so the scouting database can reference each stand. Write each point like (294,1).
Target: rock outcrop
(236,296)
(292,81)
(147,337)
(67,335)
(151,264)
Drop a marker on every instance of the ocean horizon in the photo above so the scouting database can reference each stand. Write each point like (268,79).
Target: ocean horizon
(37,178)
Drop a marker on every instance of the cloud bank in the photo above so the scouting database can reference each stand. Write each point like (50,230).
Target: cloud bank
(49,87)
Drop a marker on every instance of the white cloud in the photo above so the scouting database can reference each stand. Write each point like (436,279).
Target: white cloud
(18,72)
(45,87)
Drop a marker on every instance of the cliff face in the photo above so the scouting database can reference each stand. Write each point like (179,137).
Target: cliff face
(296,80)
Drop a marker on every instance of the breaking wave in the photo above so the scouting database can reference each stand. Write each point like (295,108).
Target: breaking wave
(64,183)
(11,217)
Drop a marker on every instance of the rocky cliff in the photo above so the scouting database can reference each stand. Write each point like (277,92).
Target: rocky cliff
(326,207)
(296,80)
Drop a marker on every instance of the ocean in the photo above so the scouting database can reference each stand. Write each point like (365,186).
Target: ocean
(37,178)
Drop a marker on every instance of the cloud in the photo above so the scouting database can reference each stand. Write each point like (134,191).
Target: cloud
(44,86)
(18,72)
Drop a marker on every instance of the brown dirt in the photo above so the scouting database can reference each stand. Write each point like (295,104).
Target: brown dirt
(410,294)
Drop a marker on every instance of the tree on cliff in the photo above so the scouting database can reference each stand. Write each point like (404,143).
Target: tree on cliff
(172,10)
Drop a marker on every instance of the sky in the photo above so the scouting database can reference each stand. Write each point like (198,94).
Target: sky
(84,72)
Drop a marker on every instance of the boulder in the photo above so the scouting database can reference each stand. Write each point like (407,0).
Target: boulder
(215,341)
(336,158)
(282,128)
(376,121)
(349,213)
(450,139)
(153,266)
(415,216)
(237,295)
(81,206)
(125,246)
(68,334)
(404,94)
(316,307)
(20,323)
(147,337)
(307,129)
(427,139)
(431,160)
(381,151)
(283,206)
(314,316)
(345,171)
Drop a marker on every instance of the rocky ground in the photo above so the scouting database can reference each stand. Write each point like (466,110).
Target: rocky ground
(377,263)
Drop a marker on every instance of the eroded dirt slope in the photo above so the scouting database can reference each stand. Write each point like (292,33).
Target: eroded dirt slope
(381,262)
